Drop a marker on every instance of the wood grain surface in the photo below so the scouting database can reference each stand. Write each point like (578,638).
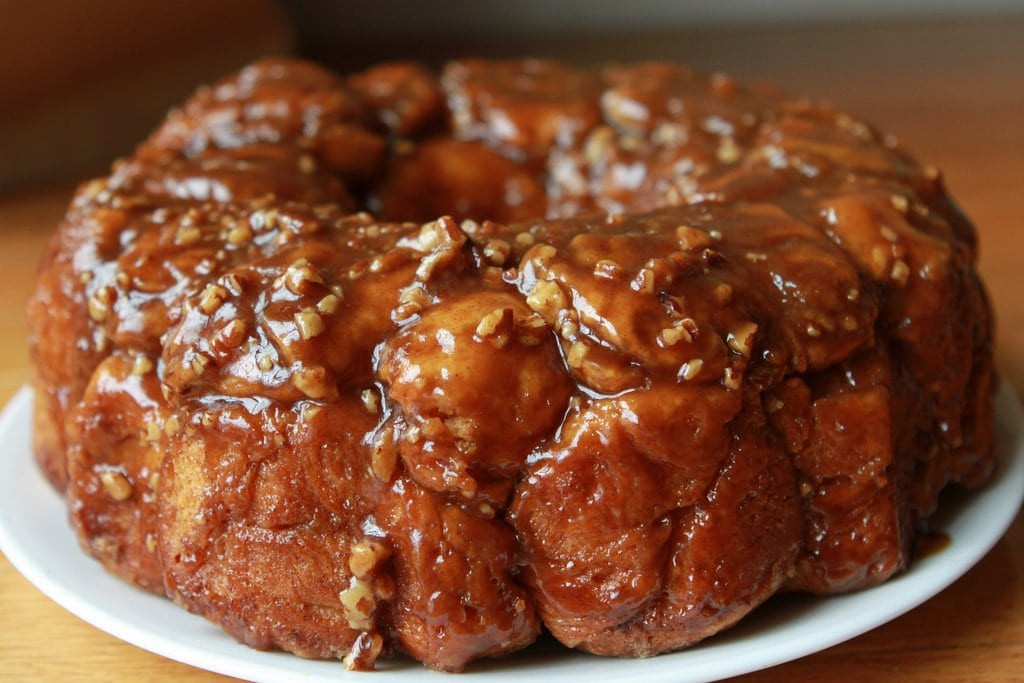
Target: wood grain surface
(952,93)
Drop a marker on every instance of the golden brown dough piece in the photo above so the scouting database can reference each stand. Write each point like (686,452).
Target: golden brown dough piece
(620,352)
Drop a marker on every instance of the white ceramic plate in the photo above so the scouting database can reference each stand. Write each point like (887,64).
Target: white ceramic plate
(36,538)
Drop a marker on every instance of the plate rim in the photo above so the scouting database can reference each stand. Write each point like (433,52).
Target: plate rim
(928,576)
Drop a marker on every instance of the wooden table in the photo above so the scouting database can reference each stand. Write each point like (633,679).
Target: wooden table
(953,93)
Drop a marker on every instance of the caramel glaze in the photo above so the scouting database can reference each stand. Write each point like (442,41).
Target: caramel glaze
(675,345)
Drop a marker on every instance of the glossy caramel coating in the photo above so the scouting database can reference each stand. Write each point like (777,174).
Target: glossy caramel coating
(619,352)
